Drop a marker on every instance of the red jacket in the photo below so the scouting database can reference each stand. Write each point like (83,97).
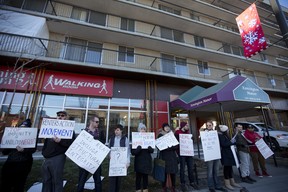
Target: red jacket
(252,136)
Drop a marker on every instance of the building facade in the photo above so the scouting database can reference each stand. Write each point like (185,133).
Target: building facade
(125,60)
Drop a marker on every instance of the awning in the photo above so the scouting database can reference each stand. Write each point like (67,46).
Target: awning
(235,94)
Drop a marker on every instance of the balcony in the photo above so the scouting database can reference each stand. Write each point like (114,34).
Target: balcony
(76,54)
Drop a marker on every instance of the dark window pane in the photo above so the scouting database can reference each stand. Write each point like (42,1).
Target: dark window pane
(97,18)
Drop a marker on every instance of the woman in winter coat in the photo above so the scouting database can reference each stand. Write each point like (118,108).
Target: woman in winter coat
(142,163)
(227,158)
(171,160)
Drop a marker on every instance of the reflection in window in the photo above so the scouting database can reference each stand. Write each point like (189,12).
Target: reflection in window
(52,100)
(75,49)
(135,119)
(137,104)
(203,68)
(47,112)
(126,54)
(17,98)
(34,5)
(118,117)
(93,54)
(127,24)
(79,14)
(74,101)
(117,103)
(97,18)
(98,103)
(167,64)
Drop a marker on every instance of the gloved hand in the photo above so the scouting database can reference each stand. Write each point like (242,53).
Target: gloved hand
(233,140)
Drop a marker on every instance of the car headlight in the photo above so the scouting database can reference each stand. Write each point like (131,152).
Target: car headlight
(282,136)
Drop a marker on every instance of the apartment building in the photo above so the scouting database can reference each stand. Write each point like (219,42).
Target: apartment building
(126,60)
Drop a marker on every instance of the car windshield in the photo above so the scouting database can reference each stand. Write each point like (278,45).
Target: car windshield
(262,126)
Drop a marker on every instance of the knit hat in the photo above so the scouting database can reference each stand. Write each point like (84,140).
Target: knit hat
(26,123)
(183,124)
(141,126)
(223,128)
(164,125)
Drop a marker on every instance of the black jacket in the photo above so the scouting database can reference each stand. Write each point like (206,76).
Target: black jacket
(227,158)
(143,159)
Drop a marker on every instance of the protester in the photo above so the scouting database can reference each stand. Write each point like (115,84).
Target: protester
(98,134)
(142,163)
(171,161)
(185,160)
(17,166)
(243,154)
(118,140)
(54,160)
(227,157)
(213,168)
(252,138)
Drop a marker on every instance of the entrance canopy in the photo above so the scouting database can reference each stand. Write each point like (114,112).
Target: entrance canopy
(235,94)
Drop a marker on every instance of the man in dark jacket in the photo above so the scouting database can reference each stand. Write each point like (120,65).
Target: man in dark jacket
(54,153)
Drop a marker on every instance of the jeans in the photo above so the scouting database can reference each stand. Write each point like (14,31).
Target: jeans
(212,174)
(83,177)
(244,163)
(183,161)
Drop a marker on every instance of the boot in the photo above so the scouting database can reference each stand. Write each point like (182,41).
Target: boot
(234,184)
(227,184)
(145,190)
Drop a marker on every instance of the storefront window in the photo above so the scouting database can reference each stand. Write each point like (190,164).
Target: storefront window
(102,115)
(135,119)
(75,101)
(118,117)
(120,104)
(137,104)
(17,98)
(52,100)
(98,103)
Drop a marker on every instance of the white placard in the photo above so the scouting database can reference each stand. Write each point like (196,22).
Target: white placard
(143,139)
(118,161)
(167,140)
(55,127)
(210,145)
(263,148)
(233,149)
(87,152)
(23,137)
(186,145)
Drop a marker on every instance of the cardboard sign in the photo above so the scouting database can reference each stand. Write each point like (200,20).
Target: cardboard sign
(87,152)
(23,137)
(186,145)
(210,145)
(55,127)
(118,161)
(143,139)
(263,148)
(168,140)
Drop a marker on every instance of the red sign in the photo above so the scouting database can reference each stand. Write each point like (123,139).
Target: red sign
(56,82)
(251,31)
(68,83)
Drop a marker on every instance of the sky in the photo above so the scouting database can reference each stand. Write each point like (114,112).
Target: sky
(284,3)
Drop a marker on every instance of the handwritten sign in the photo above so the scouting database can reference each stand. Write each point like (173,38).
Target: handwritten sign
(186,145)
(56,127)
(168,140)
(87,152)
(263,148)
(23,137)
(118,161)
(233,149)
(143,139)
(210,145)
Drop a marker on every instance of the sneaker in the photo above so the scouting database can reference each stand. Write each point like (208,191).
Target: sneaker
(258,174)
(266,174)
(246,180)
(250,179)
(194,185)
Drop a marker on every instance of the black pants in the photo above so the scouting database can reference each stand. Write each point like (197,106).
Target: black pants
(83,174)
(114,184)
(228,172)
(14,175)
(139,178)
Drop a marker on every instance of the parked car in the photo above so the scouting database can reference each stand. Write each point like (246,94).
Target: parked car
(279,139)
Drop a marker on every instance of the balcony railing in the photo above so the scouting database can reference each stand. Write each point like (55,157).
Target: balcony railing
(95,55)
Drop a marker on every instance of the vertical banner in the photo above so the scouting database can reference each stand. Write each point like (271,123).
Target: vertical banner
(210,145)
(186,145)
(251,31)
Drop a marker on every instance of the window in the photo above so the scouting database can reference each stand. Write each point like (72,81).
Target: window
(126,54)
(79,14)
(203,68)
(169,9)
(178,36)
(35,5)
(263,57)
(232,49)
(236,50)
(13,3)
(75,49)
(194,16)
(226,48)
(271,80)
(172,34)
(127,24)
(171,63)
(93,54)
(181,66)
(199,41)
(97,18)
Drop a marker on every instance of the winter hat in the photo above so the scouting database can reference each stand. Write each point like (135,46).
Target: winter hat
(223,128)
(183,124)
(164,125)
(141,126)
(26,123)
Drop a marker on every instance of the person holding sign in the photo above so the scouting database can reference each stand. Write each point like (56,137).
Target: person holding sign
(83,174)
(227,157)
(118,140)
(252,138)
(213,168)
(54,153)
(17,166)
(184,129)
(244,156)
(142,163)
(171,162)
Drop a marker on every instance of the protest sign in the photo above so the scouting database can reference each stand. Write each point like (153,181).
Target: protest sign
(233,149)
(210,145)
(168,140)
(23,137)
(87,152)
(143,139)
(263,148)
(55,127)
(186,145)
(118,161)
